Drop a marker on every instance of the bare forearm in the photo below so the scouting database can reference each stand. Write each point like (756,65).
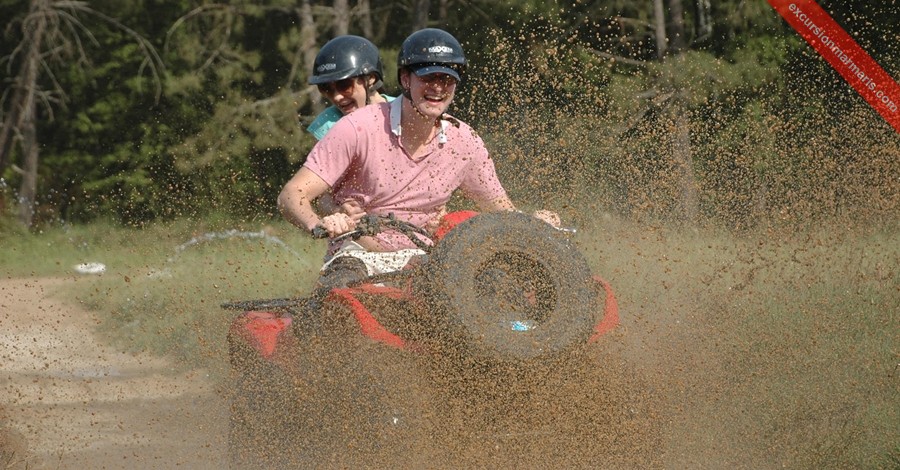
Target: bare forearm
(297,208)
(505,204)
(499,204)
(295,200)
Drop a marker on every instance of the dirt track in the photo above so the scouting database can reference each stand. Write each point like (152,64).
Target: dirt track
(66,401)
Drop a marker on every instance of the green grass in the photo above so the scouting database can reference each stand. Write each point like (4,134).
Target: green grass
(176,309)
(780,350)
(164,284)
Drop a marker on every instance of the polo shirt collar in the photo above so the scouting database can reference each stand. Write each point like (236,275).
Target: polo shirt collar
(396,110)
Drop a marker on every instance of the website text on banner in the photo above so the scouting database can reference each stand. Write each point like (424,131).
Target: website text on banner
(844,54)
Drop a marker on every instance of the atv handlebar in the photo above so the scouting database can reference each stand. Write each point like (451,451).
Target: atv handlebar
(319,232)
(371,224)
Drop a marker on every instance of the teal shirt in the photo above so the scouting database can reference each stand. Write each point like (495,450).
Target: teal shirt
(326,119)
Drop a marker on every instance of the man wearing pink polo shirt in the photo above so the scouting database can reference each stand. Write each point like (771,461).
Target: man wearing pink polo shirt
(405,157)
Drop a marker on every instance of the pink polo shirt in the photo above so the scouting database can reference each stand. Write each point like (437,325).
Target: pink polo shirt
(362,159)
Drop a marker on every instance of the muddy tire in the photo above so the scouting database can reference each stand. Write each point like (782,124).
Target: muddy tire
(508,287)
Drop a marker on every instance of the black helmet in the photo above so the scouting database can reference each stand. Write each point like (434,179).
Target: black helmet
(432,50)
(344,57)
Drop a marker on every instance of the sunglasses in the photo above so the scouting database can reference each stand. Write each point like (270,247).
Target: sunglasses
(341,86)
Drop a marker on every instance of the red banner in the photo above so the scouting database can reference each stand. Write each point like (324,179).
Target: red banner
(844,54)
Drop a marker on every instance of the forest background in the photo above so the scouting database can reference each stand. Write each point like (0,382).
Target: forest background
(710,113)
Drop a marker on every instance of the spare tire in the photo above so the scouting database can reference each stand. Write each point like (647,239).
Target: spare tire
(508,287)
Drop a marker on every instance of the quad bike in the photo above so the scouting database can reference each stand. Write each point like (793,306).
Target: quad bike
(353,379)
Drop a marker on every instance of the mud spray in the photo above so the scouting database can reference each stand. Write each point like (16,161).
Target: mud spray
(754,255)
(754,261)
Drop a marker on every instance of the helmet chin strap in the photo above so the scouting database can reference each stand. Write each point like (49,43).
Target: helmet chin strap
(372,89)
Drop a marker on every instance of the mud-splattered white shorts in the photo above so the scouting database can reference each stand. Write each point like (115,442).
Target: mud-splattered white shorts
(377,262)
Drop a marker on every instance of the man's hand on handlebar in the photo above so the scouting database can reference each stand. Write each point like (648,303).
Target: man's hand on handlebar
(338,224)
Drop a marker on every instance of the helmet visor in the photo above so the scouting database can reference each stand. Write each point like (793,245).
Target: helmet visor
(428,69)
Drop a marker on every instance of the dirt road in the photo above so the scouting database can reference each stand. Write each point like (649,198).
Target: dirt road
(66,401)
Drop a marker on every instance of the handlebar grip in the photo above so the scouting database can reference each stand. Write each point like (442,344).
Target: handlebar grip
(319,232)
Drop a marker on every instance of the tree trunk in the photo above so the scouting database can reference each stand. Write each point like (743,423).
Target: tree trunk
(365,18)
(382,22)
(28,189)
(307,36)
(12,121)
(341,17)
(676,26)
(703,23)
(659,16)
(26,108)
(30,149)
(443,9)
(308,46)
(420,16)
(26,81)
